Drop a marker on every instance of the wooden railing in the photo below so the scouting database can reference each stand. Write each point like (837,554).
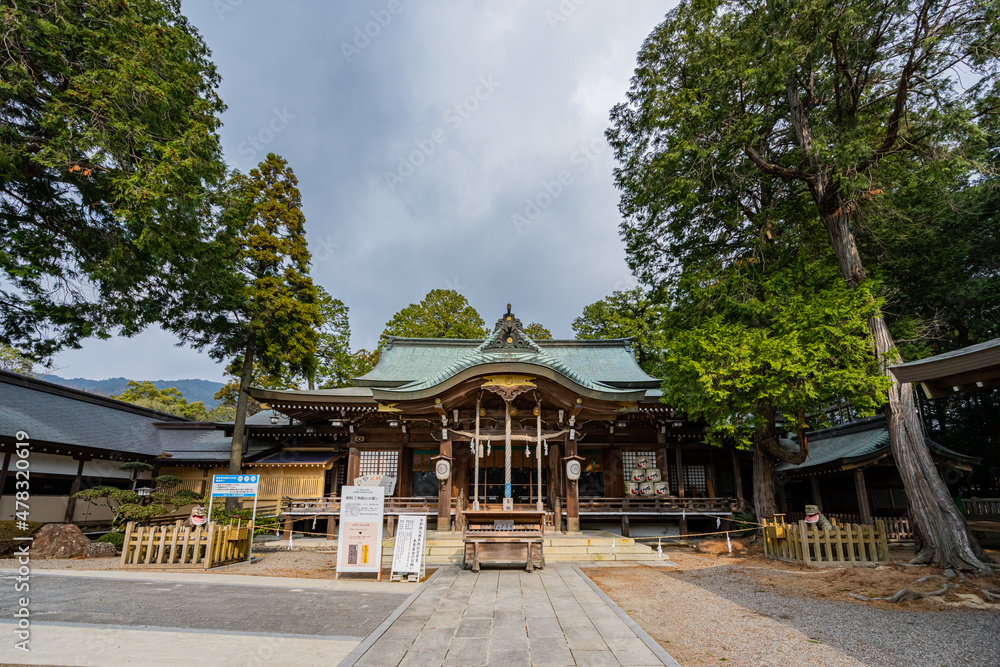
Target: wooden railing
(897,528)
(180,546)
(847,544)
(330,505)
(656,506)
(981,507)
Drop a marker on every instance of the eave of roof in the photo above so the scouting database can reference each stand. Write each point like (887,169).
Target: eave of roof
(970,368)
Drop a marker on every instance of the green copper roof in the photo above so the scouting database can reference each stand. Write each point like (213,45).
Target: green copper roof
(852,443)
(410,363)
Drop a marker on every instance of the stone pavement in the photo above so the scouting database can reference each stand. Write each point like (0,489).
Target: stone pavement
(553,616)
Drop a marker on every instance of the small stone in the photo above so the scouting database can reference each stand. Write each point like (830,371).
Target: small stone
(949,573)
(101,550)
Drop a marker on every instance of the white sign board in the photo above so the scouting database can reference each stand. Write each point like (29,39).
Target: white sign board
(234,486)
(359,544)
(386,482)
(408,556)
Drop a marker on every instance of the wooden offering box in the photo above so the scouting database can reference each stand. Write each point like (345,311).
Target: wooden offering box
(496,537)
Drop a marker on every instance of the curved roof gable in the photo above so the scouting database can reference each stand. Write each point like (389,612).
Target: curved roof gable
(412,364)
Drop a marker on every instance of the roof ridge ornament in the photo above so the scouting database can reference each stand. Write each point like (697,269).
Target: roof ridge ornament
(508,334)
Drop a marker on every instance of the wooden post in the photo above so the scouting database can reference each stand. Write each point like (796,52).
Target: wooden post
(572,495)
(614,475)
(331,527)
(73,489)
(737,478)
(782,500)
(817,496)
(444,493)
(711,483)
(353,465)
(682,527)
(863,507)
(287,532)
(625,527)
(406,472)
(680,478)
(460,480)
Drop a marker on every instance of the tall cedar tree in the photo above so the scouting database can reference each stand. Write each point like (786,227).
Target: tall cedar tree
(774,336)
(441,314)
(833,102)
(108,148)
(265,315)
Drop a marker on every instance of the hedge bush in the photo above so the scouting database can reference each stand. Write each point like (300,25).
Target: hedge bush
(8,531)
(117,539)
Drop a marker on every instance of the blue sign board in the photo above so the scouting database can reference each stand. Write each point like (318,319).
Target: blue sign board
(234,486)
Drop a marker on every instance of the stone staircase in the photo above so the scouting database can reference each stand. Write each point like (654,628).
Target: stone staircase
(587,546)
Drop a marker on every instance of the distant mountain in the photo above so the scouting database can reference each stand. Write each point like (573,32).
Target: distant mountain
(192,390)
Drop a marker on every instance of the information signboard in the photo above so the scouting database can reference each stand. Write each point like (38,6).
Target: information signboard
(359,544)
(234,486)
(408,556)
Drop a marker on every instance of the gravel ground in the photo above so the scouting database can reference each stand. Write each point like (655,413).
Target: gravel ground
(713,610)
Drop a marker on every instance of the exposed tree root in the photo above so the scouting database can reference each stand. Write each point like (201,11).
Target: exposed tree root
(904,594)
(992,596)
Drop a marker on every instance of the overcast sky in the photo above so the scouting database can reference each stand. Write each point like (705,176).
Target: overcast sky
(453,145)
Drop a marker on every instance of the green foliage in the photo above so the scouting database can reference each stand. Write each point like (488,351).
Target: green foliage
(13,361)
(9,530)
(167,481)
(268,302)
(537,332)
(746,524)
(167,400)
(264,525)
(115,538)
(108,150)
(441,314)
(336,364)
(625,314)
(127,505)
(756,338)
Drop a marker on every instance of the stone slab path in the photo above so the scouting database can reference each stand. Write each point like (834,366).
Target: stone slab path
(509,618)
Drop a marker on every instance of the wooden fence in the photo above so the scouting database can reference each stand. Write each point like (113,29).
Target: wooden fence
(981,507)
(897,528)
(179,546)
(847,544)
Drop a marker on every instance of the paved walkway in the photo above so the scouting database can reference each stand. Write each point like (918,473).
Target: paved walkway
(553,616)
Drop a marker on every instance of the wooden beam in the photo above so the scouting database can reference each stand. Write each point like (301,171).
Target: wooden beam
(572,495)
(737,478)
(863,505)
(353,465)
(73,489)
(680,477)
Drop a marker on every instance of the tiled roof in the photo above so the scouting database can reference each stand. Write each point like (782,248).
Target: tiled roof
(853,442)
(48,412)
(417,363)
(299,457)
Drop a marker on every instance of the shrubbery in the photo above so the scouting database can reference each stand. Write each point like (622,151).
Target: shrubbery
(115,538)
(8,531)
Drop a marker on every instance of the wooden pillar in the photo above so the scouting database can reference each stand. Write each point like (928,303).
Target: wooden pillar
(444,493)
(204,481)
(782,500)
(406,472)
(3,471)
(680,477)
(331,527)
(683,527)
(711,483)
(572,495)
(625,527)
(737,478)
(863,505)
(817,496)
(287,534)
(73,489)
(614,477)
(460,481)
(555,474)
(353,466)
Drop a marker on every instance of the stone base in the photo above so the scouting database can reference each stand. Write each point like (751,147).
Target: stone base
(573,524)
(444,524)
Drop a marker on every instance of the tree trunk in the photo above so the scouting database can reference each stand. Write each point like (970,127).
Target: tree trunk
(236,448)
(948,542)
(766,449)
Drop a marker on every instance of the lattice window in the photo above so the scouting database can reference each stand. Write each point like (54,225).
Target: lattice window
(382,462)
(694,478)
(631,458)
